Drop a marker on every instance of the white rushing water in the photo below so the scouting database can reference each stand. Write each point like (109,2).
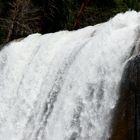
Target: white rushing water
(63,86)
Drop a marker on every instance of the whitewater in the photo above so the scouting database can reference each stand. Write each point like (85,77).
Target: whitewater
(65,85)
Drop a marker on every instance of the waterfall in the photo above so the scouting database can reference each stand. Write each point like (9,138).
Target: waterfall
(64,85)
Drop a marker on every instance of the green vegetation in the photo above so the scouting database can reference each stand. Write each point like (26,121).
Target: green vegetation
(20,18)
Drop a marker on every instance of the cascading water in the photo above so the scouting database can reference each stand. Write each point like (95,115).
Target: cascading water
(63,86)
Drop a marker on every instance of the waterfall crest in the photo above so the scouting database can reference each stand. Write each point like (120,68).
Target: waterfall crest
(64,85)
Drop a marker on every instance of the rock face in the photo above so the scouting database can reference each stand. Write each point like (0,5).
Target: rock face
(126,122)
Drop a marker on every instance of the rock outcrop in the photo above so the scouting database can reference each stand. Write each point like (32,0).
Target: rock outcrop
(126,122)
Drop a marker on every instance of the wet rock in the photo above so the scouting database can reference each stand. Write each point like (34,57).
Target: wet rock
(126,122)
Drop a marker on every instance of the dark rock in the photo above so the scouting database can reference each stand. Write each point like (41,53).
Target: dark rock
(126,121)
